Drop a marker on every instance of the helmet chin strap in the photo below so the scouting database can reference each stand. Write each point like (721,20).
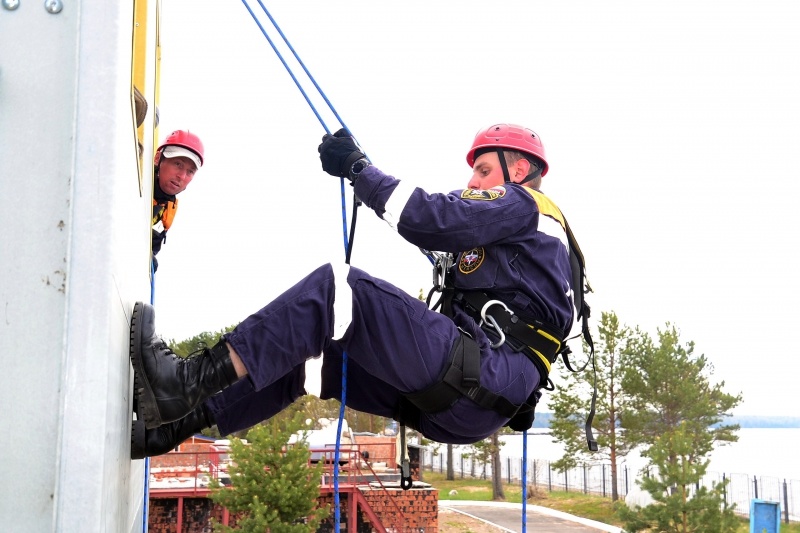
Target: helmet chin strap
(501,156)
(533,175)
(507,177)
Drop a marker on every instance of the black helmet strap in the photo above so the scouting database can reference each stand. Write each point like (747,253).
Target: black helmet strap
(502,159)
(535,173)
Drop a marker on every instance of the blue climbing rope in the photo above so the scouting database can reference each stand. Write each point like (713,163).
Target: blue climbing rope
(524,480)
(348,240)
(146,488)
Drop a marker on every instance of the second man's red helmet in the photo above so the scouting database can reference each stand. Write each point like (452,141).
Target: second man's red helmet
(185,139)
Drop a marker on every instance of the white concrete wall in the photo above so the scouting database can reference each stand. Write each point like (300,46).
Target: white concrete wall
(74,259)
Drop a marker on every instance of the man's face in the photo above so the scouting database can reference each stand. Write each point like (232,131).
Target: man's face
(486,172)
(175,174)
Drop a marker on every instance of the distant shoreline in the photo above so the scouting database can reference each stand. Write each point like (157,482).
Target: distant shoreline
(542,421)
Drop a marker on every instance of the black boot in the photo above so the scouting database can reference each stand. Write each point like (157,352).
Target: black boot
(151,442)
(168,387)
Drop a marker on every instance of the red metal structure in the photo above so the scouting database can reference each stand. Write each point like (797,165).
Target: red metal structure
(364,490)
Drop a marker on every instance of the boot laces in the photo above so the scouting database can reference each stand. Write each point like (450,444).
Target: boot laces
(162,345)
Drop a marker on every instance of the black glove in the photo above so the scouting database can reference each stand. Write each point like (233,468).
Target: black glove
(338,152)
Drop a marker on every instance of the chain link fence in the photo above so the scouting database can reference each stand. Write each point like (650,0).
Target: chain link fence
(598,479)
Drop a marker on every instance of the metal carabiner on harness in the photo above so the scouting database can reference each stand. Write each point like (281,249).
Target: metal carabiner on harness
(492,322)
(441,264)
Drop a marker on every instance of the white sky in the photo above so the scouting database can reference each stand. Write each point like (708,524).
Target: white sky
(671,130)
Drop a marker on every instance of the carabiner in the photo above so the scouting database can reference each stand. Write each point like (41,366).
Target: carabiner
(493,323)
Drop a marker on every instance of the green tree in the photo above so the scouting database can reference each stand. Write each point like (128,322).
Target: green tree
(570,405)
(668,385)
(272,484)
(676,415)
(681,505)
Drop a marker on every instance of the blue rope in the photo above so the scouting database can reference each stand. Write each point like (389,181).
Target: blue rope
(524,480)
(347,242)
(302,91)
(305,95)
(310,77)
(146,488)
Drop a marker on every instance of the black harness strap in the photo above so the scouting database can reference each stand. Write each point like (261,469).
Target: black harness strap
(461,378)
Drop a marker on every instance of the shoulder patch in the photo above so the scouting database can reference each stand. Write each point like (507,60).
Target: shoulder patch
(471,260)
(489,194)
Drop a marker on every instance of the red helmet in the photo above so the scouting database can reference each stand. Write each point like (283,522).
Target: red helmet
(509,136)
(185,139)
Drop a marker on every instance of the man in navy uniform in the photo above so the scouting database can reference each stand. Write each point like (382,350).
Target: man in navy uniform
(456,376)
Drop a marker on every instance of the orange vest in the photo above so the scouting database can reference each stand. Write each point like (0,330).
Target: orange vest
(164,212)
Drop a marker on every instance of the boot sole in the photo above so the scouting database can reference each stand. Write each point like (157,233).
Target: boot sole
(138,440)
(147,408)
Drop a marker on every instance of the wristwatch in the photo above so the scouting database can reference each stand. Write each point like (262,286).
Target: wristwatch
(357,167)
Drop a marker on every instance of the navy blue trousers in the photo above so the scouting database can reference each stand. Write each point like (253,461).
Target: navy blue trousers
(394,343)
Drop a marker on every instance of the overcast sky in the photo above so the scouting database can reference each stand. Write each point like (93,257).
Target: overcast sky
(671,130)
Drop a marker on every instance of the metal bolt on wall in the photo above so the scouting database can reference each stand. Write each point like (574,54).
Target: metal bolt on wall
(52,6)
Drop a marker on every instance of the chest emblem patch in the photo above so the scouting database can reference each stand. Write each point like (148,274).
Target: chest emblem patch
(489,194)
(471,260)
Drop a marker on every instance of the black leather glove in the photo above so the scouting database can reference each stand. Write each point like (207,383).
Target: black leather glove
(338,152)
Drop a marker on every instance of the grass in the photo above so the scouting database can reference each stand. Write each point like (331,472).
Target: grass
(576,503)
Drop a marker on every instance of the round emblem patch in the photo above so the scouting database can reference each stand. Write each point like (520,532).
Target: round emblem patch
(470,261)
(488,194)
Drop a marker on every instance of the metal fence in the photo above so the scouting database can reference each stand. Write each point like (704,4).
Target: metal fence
(597,479)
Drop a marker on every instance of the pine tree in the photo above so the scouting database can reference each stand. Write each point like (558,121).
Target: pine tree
(681,505)
(668,385)
(675,415)
(570,403)
(272,483)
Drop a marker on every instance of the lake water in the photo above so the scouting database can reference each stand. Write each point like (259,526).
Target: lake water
(759,452)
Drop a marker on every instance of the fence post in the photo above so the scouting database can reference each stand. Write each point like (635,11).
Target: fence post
(441,460)
(585,480)
(566,480)
(626,480)
(508,462)
(785,503)
(522,472)
(755,486)
(534,472)
(462,467)
(549,477)
(604,480)
(724,490)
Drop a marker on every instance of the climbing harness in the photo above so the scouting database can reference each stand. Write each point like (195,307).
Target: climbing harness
(541,343)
